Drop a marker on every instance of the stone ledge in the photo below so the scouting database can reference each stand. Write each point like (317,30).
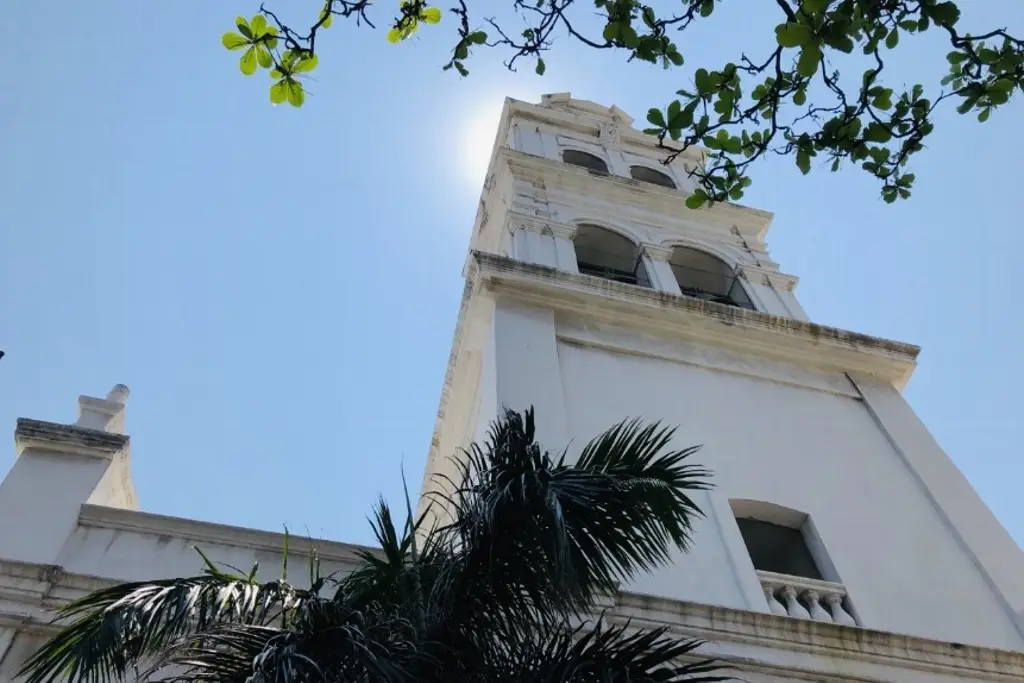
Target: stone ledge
(98,516)
(747,331)
(823,650)
(749,641)
(53,437)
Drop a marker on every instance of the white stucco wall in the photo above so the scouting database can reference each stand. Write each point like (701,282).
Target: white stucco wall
(812,451)
(775,433)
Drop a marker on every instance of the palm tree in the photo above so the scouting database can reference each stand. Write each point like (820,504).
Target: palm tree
(503,591)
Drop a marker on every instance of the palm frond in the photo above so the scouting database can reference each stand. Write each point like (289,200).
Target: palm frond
(393,575)
(608,654)
(113,630)
(540,536)
(530,541)
(324,641)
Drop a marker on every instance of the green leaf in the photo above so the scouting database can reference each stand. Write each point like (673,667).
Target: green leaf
(792,34)
(243,27)
(296,95)
(477,37)
(803,161)
(966,105)
(655,117)
(685,117)
(629,37)
(908,25)
(983,116)
(1003,85)
(946,13)
(800,97)
(279,92)
(248,62)
(815,6)
(233,41)
(540,67)
(611,31)
(810,56)
(429,15)
(675,57)
(327,18)
(258,25)
(674,107)
(841,42)
(696,200)
(893,39)
(702,80)
(306,64)
(707,8)
(263,57)
(876,132)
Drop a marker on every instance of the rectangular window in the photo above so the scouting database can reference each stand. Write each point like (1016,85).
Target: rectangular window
(778,549)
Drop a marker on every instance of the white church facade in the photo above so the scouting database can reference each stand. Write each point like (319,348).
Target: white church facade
(840,543)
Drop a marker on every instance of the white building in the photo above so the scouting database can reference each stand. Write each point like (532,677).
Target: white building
(840,542)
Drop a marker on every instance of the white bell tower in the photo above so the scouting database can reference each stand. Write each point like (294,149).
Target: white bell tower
(594,294)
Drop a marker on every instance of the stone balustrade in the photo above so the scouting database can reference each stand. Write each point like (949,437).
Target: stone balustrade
(802,598)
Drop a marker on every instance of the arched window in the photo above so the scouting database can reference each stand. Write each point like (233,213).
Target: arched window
(649,175)
(707,277)
(607,254)
(584,159)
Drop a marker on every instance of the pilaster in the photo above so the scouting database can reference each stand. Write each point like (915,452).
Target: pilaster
(527,369)
(772,291)
(543,242)
(662,277)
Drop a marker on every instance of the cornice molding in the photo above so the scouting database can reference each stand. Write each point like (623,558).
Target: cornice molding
(824,650)
(101,517)
(752,223)
(772,278)
(53,437)
(746,640)
(796,342)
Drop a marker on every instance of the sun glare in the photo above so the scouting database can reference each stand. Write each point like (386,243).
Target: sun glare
(477,139)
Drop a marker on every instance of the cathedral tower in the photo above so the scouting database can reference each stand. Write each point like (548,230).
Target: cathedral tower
(594,294)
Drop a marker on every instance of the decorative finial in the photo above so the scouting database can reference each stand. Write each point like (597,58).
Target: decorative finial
(119,394)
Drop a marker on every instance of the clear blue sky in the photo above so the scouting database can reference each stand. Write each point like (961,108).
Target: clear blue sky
(279,287)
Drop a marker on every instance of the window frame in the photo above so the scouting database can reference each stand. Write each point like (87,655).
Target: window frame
(606,170)
(672,184)
(639,277)
(729,272)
